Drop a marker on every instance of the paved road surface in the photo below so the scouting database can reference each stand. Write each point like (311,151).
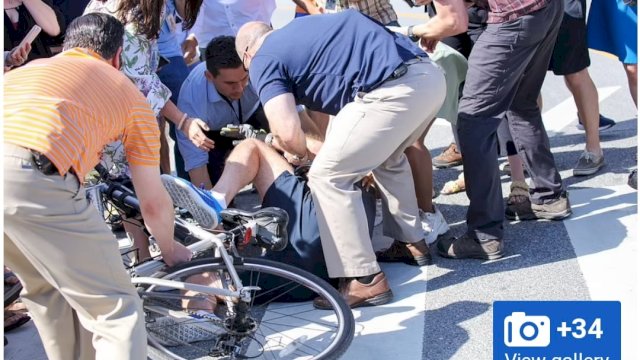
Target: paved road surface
(445,311)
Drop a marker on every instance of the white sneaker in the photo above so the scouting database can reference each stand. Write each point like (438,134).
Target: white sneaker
(433,225)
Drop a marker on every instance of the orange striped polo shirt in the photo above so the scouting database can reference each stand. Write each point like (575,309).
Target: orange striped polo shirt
(70,106)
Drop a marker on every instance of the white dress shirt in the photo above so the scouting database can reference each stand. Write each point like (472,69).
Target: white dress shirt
(225,17)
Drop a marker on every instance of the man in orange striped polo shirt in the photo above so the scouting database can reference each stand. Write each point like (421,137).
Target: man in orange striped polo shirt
(58,115)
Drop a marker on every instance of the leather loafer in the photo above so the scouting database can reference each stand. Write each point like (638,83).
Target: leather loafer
(416,254)
(357,294)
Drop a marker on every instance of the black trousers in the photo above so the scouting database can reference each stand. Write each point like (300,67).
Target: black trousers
(507,67)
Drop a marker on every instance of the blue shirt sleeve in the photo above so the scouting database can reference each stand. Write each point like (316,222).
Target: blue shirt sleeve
(188,103)
(269,78)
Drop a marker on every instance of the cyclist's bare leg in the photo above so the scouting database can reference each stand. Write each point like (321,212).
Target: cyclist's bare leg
(251,161)
(422,171)
(140,239)
(207,304)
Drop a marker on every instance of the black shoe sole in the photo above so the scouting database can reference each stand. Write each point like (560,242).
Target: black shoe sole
(514,217)
(588,172)
(381,299)
(446,165)
(492,256)
(600,129)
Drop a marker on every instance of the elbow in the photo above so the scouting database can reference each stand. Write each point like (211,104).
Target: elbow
(52,29)
(458,24)
(156,207)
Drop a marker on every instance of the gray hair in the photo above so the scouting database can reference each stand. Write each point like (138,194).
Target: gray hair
(99,32)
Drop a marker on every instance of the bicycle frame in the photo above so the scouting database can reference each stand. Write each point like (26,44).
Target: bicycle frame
(142,274)
(240,329)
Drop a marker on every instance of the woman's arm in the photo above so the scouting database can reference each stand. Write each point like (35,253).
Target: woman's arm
(191,127)
(44,16)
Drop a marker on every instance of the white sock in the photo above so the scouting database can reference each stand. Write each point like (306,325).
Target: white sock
(220,198)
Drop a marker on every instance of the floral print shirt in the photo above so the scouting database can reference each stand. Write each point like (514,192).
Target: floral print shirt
(139,58)
(139,63)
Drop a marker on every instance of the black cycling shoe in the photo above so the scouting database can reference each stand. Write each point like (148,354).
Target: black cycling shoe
(271,225)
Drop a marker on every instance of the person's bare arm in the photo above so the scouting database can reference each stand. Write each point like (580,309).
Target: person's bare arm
(451,19)
(285,125)
(157,211)
(200,177)
(309,126)
(180,7)
(190,48)
(192,127)
(309,6)
(44,16)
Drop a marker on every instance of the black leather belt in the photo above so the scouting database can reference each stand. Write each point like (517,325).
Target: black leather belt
(43,164)
(399,72)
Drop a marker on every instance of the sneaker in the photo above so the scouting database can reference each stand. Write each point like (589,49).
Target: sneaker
(449,157)
(633,179)
(204,208)
(466,247)
(519,204)
(558,209)
(415,254)
(357,294)
(604,124)
(588,164)
(433,225)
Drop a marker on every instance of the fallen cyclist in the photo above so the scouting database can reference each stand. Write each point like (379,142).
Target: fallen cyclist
(254,162)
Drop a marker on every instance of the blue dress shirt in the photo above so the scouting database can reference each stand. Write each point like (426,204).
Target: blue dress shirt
(200,99)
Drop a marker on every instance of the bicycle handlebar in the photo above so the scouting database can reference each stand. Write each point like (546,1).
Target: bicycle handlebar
(120,194)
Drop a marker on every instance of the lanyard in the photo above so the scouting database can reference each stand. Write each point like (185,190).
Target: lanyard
(237,114)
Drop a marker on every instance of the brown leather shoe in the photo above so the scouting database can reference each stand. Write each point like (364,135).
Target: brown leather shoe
(357,294)
(451,156)
(467,247)
(416,254)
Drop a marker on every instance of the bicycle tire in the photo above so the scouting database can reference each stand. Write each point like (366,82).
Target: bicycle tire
(304,313)
(12,293)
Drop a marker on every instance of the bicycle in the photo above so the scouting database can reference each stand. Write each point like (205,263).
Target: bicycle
(248,313)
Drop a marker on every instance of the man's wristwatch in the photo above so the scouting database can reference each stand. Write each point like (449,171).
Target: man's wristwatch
(411,35)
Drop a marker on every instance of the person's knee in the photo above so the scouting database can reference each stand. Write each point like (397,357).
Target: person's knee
(632,70)
(577,79)
(251,146)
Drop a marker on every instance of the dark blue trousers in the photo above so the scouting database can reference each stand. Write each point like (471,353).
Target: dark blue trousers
(507,67)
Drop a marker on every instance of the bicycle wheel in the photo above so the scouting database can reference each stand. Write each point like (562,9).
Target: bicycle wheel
(281,322)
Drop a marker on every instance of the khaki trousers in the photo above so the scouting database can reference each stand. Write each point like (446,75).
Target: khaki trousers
(75,286)
(370,134)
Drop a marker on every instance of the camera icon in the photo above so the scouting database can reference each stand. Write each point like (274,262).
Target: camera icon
(521,330)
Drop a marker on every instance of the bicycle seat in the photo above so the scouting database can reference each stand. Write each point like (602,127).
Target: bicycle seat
(270,225)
